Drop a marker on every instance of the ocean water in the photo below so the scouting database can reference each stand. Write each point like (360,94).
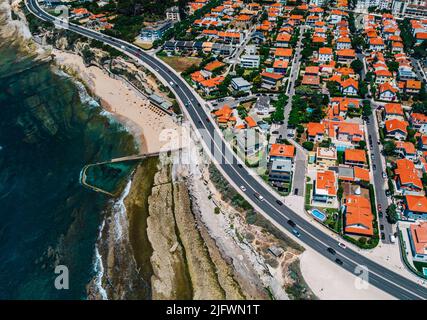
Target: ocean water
(49,129)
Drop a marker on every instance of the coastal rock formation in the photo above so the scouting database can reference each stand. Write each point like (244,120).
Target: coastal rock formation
(170,278)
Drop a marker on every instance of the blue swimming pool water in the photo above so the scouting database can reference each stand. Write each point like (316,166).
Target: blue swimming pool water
(318,215)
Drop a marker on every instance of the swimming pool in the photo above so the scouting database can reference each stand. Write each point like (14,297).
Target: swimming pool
(319,215)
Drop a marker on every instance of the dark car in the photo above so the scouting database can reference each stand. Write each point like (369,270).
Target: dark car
(382,236)
(339,261)
(292,224)
(331,251)
(296,191)
(381,227)
(240,165)
(380,214)
(280,203)
(374,167)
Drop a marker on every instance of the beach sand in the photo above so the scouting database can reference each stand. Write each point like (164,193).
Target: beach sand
(131,108)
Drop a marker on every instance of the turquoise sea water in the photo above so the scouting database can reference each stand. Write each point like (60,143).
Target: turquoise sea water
(46,217)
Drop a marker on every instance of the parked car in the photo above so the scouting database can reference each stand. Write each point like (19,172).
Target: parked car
(342,245)
(339,261)
(243,188)
(331,251)
(280,203)
(379,207)
(380,213)
(296,191)
(382,236)
(381,227)
(374,167)
(384,175)
(240,165)
(372,156)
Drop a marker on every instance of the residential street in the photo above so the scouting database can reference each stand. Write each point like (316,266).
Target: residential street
(379,181)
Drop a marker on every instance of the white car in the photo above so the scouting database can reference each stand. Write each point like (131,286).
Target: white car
(260,197)
(243,188)
(342,245)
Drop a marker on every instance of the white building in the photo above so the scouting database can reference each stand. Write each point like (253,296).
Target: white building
(250,61)
(173,14)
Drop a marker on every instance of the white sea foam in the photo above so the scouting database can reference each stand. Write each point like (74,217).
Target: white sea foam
(99,269)
(119,213)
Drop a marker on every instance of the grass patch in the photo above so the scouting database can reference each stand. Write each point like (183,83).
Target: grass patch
(181,64)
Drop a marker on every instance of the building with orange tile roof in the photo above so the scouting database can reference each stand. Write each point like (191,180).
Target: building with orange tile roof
(349,87)
(393,111)
(346,55)
(281,151)
(271,80)
(418,121)
(407,177)
(315,131)
(413,86)
(418,239)
(280,66)
(325,54)
(387,92)
(283,40)
(355,157)
(396,129)
(283,53)
(224,116)
(325,187)
(406,149)
(415,207)
(358,217)
(310,80)
(250,122)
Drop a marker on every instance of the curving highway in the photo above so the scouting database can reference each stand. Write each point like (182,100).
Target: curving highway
(238,175)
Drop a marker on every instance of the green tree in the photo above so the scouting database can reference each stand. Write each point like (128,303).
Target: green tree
(392,215)
(389,148)
(308,145)
(357,65)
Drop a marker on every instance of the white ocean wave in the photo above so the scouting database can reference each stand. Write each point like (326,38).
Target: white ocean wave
(119,213)
(98,267)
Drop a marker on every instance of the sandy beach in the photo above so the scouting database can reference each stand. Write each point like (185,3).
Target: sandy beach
(135,111)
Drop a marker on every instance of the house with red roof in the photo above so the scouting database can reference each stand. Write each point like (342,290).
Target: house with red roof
(386,92)
(413,86)
(283,40)
(349,87)
(407,177)
(281,152)
(376,44)
(325,187)
(315,131)
(325,54)
(418,121)
(358,217)
(415,207)
(271,80)
(393,111)
(346,55)
(224,117)
(396,129)
(418,239)
(355,157)
(406,149)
